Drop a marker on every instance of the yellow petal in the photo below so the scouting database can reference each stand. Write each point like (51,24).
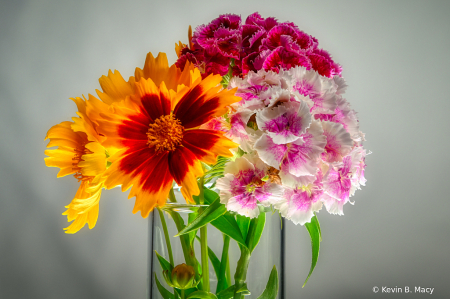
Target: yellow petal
(94,163)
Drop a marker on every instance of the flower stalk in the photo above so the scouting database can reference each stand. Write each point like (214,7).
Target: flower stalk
(166,236)
(224,265)
(204,242)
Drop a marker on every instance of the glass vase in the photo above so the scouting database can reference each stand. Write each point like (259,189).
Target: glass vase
(266,256)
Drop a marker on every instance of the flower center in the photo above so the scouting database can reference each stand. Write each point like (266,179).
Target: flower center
(79,152)
(165,134)
(308,189)
(255,183)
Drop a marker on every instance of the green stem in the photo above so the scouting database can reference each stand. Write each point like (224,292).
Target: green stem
(204,242)
(182,294)
(188,250)
(166,236)
(241,270)
(221,280)
(205,261)
(228,272)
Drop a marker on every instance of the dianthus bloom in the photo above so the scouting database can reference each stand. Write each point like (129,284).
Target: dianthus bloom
(247,183)
(258,44)
(156,131)
(297,123)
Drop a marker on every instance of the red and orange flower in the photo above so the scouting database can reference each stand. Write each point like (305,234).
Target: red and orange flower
(157,132)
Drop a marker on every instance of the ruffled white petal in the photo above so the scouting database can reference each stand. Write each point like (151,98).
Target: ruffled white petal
(240,164)
(269,152)
(339,141)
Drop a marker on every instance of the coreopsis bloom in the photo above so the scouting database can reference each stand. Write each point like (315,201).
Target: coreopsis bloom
(157,132)
(248,182)
(258,44)
(80,153)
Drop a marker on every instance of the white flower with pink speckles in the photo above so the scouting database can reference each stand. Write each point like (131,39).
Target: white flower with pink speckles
(302,199)
(321,90)
(246,184)
(300,157)
(342,180)
(344,115)
(284,123)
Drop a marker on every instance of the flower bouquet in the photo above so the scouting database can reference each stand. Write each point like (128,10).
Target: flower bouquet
(249,122)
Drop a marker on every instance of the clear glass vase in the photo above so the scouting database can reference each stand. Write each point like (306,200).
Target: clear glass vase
(267,254)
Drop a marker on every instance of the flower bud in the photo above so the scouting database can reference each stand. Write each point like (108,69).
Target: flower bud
(183,276)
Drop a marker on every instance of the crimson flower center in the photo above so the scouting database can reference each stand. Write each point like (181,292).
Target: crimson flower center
(165,134)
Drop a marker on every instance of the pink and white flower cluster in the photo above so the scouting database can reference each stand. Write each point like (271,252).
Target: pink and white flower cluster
(302,142)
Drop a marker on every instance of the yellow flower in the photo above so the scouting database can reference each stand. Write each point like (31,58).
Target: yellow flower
(80,153)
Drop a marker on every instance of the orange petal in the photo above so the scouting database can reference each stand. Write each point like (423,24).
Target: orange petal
(114,87)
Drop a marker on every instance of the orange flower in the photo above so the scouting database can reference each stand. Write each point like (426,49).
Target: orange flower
(80,153)
(156,130)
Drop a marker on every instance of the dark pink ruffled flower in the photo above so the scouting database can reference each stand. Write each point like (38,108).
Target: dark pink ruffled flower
(256,19)
(259,43)
(281,58)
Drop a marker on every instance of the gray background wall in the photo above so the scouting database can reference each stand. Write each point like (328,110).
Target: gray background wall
(396,62)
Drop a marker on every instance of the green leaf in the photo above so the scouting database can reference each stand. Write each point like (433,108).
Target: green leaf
(215,210)
(318,226)
(165,265)
(255,231)
(209,195)
(244,224)
(244,290)
(202,295)
(222,282)
(271,290)
(228,225)
(164,292)
(315,234)
(191,217)
(227,293)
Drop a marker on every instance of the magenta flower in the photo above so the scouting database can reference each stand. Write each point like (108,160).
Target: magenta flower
(259,43)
